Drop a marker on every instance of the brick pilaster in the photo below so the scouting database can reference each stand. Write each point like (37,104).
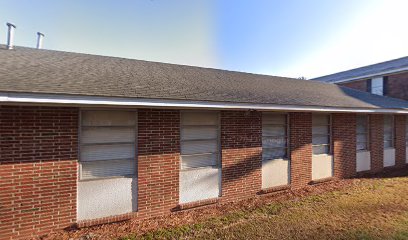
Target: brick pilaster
(301,149)
(400,146)
(158,161)
(376,128)
(344,144)
(241,144)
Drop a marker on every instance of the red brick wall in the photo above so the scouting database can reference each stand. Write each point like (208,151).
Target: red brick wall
(376,128)
(398,86)
(358,85)
(158,161)
(38,170)
(241,145)
(400,148)
(38,161)
(344,144)
(301,149)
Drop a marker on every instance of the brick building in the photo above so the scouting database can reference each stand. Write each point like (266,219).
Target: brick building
(388,78)
(89,139)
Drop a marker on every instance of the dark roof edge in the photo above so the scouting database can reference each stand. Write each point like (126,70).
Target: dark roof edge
(89,101)
(393,71)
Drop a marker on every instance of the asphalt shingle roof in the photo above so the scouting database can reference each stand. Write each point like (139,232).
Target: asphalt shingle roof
(388,66)
(31,70)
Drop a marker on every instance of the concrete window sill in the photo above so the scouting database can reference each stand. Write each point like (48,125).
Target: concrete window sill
(274,189)
(196,204)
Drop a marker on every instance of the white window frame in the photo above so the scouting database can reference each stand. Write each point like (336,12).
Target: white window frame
(218,142)
(329,134)
(80,144)
(392,140)
(286,125)
(377,86)
(366,133)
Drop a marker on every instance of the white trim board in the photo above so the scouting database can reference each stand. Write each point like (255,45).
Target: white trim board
(75,100)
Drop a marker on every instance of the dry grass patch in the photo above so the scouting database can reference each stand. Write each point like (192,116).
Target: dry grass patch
(372,208)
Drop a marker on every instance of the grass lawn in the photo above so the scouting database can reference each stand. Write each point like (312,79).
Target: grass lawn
(368,209)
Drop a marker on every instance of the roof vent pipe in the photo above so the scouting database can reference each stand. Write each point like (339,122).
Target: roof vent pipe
(40,37)
(10,37)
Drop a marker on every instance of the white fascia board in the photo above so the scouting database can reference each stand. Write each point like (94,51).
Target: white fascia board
(89,101)
(380,74)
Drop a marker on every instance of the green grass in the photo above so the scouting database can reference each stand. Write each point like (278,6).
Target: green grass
(373,209)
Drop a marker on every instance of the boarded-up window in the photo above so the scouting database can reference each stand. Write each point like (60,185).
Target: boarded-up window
(388,131)
(362,133)
(274,136)
(321,136)
(199,139)
(107,144)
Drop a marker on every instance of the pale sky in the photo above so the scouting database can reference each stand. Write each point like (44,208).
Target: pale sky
(291,38)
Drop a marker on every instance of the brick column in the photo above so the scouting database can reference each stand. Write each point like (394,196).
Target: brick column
(301,149)
(241,144)
(344,144)
(377,142)
(38,170)
(158,161)
(400,147)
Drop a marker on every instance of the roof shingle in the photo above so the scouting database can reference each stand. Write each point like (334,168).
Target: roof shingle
(30,70)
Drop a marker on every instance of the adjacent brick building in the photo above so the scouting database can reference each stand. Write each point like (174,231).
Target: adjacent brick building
(113,139)
(393,85)
(388,78)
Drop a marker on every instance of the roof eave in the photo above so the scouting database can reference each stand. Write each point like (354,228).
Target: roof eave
(92,101)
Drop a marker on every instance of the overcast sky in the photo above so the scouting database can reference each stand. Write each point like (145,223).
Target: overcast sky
(290,38)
